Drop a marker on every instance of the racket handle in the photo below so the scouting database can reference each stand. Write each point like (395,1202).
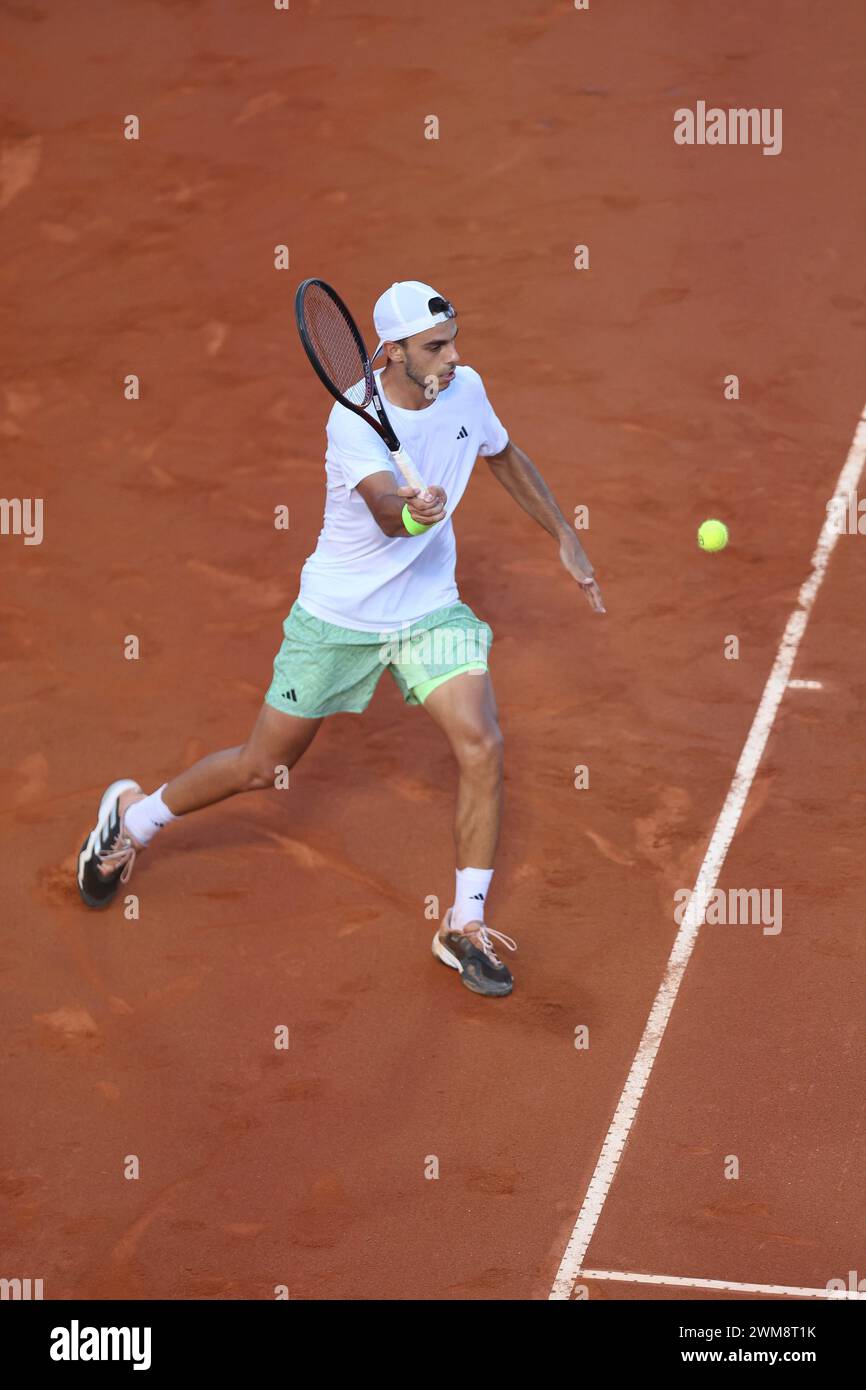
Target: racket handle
(409,471)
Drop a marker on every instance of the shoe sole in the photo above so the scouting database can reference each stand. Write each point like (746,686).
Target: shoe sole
(108,798)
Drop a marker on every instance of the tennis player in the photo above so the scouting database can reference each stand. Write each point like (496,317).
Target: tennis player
(373,595)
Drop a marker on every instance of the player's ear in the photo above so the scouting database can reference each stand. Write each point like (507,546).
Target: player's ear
(394,352)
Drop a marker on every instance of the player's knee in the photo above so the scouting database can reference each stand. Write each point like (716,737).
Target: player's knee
(481,749)
(253,774)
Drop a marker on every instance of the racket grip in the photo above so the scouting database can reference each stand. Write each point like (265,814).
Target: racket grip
(409,471)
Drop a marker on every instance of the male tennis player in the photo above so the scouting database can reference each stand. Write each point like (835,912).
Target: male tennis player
(372,595)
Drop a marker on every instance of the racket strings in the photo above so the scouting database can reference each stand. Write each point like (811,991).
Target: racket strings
(333,340)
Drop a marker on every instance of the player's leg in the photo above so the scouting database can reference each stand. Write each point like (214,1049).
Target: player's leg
(128,820)
(464,707)
(320,669)
(277,740)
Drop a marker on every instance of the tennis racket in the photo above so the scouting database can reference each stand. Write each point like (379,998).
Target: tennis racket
(339,358)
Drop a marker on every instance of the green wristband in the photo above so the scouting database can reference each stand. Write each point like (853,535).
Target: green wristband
(412,526)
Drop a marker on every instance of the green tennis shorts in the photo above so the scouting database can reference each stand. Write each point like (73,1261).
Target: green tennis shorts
(324,669)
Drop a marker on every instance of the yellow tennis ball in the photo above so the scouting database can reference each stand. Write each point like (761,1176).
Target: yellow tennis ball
(712,535)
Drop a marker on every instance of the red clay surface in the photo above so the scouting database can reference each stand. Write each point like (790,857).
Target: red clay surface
(306,908)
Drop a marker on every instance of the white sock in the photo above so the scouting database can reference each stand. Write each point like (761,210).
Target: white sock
(469,896)
(145,817)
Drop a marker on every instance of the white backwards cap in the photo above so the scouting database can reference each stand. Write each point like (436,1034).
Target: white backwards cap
(408,307)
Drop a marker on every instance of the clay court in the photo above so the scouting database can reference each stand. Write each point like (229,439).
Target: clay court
(564,1171)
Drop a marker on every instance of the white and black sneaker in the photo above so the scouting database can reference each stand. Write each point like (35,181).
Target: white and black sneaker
(108,854)
(472,953)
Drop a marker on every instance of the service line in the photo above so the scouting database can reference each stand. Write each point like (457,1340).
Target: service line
(676,1281)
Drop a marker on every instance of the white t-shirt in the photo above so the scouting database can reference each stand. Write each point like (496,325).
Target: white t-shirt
(357,576)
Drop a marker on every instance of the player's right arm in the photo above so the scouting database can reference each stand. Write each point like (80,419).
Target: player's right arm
(386,502)
(363,463)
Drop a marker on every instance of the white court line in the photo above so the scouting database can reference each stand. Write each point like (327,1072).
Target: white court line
(805,685)
(726,825)
(777,1290)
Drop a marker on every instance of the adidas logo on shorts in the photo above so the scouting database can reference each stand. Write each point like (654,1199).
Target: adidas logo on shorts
(290,695)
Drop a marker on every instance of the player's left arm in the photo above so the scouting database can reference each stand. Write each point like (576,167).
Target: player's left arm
(518,475)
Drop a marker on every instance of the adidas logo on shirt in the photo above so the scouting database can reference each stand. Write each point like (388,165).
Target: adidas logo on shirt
(464,433)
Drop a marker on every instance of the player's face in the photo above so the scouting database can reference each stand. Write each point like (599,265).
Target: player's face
(432,353)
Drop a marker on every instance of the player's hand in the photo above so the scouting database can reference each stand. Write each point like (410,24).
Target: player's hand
(580,569)
(425,508)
